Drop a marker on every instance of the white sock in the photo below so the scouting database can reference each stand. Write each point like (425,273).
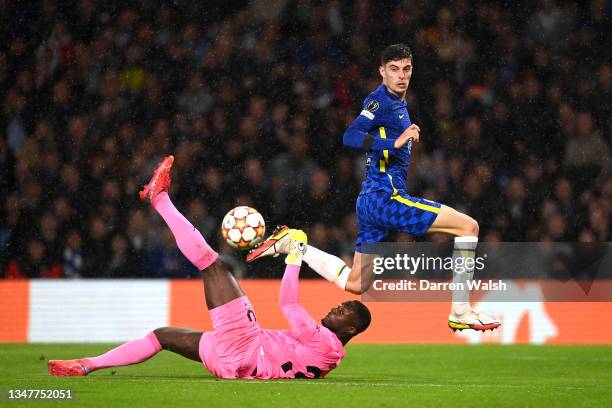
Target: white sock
(328,266)
(465,247)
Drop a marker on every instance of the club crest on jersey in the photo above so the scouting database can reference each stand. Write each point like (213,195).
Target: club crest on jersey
(372,106)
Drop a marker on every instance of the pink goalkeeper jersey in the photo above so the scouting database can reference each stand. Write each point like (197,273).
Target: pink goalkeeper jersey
(239,348)
(307,350)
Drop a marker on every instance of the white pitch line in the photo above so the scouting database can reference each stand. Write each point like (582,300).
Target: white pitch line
(359,384)
(578,360)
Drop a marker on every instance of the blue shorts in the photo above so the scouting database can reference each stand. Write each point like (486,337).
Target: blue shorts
(379,213)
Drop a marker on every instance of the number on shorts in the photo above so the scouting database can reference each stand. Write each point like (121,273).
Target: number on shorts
(315,371)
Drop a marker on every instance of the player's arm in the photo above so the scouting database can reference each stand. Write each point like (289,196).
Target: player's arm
(357,135)
(411,132)
(298,318)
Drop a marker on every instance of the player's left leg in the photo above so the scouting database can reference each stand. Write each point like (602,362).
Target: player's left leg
(378,214)
(465,230)
(176,339)
(179,340)
(220,289)
(452,222)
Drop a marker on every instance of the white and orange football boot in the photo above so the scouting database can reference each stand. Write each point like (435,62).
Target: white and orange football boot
(472,320)
(274,245)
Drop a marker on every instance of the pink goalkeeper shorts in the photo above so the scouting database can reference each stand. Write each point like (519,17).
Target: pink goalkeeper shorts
(229,351)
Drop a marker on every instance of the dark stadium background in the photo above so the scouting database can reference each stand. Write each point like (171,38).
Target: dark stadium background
(514,100)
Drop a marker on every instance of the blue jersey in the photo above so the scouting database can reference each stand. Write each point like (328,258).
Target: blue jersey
(383,118)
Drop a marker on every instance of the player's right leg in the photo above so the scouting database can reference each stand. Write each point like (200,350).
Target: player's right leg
(220,288)
(354,280)
(329,266)
(227,351)
(219,284)
(188,239)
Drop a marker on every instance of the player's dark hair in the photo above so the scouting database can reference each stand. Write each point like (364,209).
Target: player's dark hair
(395,52)
(363,316)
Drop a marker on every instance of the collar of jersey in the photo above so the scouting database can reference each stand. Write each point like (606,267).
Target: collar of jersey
(392,95)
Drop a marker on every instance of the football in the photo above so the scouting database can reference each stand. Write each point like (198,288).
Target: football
(243,227)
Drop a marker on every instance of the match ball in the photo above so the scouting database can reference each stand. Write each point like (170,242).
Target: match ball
(243,227)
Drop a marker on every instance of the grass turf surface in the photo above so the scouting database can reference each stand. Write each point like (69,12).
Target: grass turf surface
(370,375)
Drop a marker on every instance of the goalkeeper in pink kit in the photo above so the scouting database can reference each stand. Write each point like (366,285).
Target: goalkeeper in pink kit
(237,347)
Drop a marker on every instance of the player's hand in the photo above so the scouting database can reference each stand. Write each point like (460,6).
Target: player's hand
(412,132)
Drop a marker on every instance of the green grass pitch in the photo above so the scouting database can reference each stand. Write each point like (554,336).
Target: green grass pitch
(369,376)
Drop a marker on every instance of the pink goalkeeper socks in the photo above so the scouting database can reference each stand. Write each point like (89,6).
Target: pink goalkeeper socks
(188,238)
(132,352)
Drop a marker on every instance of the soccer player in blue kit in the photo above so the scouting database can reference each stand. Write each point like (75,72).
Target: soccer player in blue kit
(385,132)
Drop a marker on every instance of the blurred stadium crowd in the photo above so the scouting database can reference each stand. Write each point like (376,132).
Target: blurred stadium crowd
(514,102)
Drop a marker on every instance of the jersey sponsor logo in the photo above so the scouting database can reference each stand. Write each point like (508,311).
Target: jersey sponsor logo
(372,106)
(367,114)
